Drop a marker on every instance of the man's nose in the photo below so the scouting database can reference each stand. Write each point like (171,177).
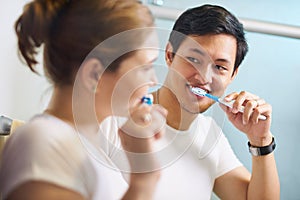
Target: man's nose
(204,74)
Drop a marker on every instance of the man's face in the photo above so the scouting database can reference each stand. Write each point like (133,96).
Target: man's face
(201,61)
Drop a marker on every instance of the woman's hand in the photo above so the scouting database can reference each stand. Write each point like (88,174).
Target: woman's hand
(145,125)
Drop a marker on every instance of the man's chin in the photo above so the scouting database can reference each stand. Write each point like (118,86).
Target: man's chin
(194,109)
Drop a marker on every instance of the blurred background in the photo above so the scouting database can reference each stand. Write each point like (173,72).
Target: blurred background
(271,70)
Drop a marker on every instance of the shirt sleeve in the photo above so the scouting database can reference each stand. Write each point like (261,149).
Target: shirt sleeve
(227,159)
(50,153)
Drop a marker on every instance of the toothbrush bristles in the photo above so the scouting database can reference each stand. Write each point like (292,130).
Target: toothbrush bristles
(197,91)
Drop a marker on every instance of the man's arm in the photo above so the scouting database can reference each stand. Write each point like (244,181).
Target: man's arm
(264,181)
(240,184)
(233,185)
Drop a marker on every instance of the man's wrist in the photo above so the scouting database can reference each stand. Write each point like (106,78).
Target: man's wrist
(261,142)
(262,150)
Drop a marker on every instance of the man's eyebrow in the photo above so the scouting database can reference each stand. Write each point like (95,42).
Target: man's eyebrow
(203,53)
(198,51)
(223,60)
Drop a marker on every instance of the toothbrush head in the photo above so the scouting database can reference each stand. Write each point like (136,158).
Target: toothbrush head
(147,99)
(198,91)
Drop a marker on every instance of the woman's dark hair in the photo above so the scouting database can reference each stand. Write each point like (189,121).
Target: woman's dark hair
(209,19)
(70,29)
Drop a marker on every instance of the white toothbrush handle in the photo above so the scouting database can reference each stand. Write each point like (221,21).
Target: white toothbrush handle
(242,108)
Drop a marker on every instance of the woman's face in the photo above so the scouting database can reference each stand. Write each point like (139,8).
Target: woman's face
(132,80)
(120,89)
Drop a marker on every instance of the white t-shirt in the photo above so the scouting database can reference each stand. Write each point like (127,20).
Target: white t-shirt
(48,149)
(191,160)
(200,155)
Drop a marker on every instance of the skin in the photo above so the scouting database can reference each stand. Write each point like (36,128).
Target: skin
(189,67)
(130,84)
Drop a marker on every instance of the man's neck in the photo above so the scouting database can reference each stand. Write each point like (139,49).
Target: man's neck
(177,117)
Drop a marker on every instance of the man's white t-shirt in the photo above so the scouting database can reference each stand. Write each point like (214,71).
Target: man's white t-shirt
(200,155)
(190,160)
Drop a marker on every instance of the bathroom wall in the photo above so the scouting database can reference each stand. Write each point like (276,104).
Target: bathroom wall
(20,89)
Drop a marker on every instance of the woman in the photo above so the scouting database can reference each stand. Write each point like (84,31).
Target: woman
(58,154)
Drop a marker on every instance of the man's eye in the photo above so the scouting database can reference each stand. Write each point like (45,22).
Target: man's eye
(219,67)
(193,60)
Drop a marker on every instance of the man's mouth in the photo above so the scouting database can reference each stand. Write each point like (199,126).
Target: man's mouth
(189,85)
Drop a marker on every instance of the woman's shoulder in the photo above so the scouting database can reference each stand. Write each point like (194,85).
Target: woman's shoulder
(44,133)
(45,127)
(46,149)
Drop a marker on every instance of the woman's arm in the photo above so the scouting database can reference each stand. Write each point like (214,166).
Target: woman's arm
(37,190)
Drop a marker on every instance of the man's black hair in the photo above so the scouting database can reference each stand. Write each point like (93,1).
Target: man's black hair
(209,19)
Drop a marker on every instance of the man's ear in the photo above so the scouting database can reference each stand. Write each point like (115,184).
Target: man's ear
(91,71)
(169,55)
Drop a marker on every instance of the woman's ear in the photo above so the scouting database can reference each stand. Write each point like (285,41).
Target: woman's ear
(91,71)
(169,55)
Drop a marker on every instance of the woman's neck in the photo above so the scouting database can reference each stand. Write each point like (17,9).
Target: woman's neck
(72,110)
(60,104)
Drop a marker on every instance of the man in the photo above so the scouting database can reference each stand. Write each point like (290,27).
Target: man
(205,49)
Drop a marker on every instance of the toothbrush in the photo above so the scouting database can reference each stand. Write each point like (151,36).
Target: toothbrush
(147,99)
(201,92)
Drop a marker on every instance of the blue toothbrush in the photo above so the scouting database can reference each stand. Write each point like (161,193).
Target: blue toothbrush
(201,92)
